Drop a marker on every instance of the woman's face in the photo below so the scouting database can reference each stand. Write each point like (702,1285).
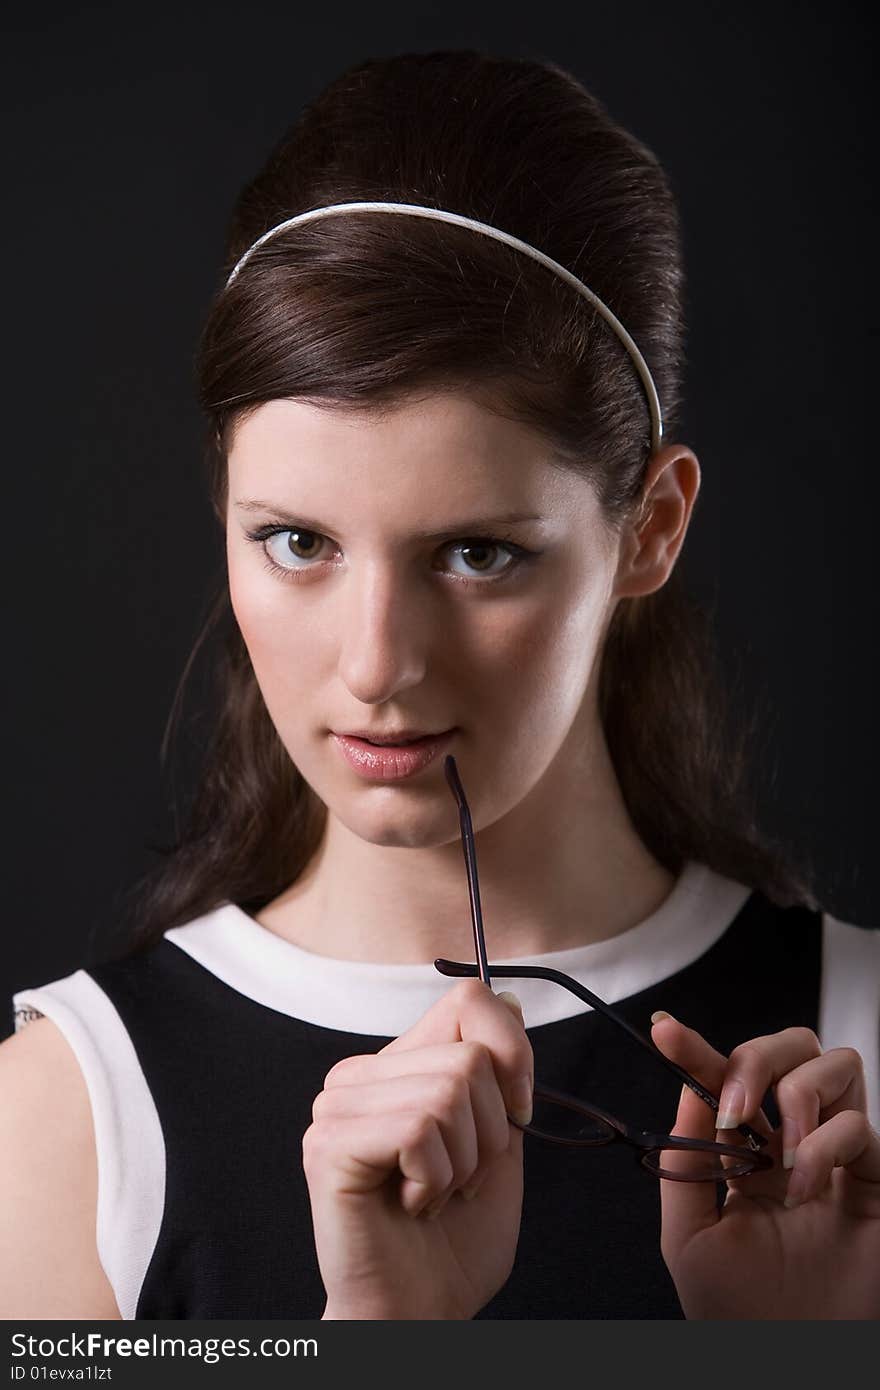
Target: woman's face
(379,616)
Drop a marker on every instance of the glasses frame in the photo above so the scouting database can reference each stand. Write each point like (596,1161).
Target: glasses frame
(644,1142)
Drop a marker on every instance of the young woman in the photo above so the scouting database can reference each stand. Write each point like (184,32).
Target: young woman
(443,455)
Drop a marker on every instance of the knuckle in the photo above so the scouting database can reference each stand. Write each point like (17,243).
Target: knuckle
(313,1148)
(334,1075)
(793,1094)
(469,990)
(320,1105)
(857,1122)
(338,1072)
(847,1126)
(417,1129)
(807,1038)
(746,1055)
(852,1057)
(474,1058)
(450,1092)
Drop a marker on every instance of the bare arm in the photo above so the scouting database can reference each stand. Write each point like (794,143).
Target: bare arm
(49,1266)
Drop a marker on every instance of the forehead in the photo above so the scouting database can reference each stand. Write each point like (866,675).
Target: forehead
(421,454)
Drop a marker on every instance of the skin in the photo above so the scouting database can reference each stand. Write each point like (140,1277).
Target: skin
(393,637)
(414,1171)
(802,1240)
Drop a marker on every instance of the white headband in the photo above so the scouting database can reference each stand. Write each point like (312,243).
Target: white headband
(415,210)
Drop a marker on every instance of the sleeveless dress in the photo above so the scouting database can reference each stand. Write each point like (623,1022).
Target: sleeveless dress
(203,1054)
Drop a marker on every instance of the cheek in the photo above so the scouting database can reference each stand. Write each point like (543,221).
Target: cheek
(529,695)
(249,605)
(545,659)
(263,618)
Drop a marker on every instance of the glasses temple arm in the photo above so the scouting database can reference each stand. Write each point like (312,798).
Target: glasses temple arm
(470,860)
(482,968)
(540,972)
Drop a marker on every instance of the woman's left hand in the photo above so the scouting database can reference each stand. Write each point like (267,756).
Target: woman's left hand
(799,1240)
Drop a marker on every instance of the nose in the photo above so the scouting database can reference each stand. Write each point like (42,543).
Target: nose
(385,633)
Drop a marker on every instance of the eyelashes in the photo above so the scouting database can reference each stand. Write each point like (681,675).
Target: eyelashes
(518,554)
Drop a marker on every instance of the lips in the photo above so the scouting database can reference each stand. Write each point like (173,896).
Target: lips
(388,762)
(397,739)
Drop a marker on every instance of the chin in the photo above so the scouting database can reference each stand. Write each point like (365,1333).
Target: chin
(404,827)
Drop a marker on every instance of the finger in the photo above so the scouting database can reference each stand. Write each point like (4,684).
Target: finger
(444,1096)
(474,1126)
(442,1022)
(356,1155)
(472,1012)
(687,1207)
(690,1050)
(847,1141)
(484,1172)
(754,1066)
(471,1062)
(520,1105)
(816,1091)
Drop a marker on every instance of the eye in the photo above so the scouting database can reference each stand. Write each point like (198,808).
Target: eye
(289,550)
(480,552)
(298,541)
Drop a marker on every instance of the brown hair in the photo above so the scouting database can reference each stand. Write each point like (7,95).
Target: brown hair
(362,310)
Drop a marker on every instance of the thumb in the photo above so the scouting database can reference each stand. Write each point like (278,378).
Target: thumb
(513,1003)
(687,1207)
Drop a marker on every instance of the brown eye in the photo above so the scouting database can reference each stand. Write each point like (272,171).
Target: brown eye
(300,541)
(475,555)
(481,557)
(294,543)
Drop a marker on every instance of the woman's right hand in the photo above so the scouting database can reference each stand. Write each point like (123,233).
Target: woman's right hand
(414,1170)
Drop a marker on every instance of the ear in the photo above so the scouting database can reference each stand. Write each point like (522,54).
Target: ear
(653,536)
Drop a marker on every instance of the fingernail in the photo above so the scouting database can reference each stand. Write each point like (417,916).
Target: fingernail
(730,1106)
(521,1099)
(797,1190)
(791,1137)
(511,1000)
(469,1193)
(660,1014)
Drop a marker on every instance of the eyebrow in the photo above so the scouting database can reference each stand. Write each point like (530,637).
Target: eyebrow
(457,528)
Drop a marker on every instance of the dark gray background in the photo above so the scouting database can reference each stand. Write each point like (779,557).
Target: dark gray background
(128,139)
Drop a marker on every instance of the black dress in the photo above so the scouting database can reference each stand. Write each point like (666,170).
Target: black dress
(204,1053)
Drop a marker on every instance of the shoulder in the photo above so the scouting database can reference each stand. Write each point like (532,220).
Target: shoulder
(48,1181)
(36,1064)
(82,1042)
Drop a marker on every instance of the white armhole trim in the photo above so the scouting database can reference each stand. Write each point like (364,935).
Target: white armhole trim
(849,999)
(128,1134)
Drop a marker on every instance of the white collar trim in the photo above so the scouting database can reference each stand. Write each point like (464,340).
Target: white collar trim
(370,998)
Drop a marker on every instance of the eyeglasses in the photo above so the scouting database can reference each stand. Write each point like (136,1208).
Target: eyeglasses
(564,1119)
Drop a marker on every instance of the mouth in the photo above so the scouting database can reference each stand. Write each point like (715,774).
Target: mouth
(399,738)
(390,761)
